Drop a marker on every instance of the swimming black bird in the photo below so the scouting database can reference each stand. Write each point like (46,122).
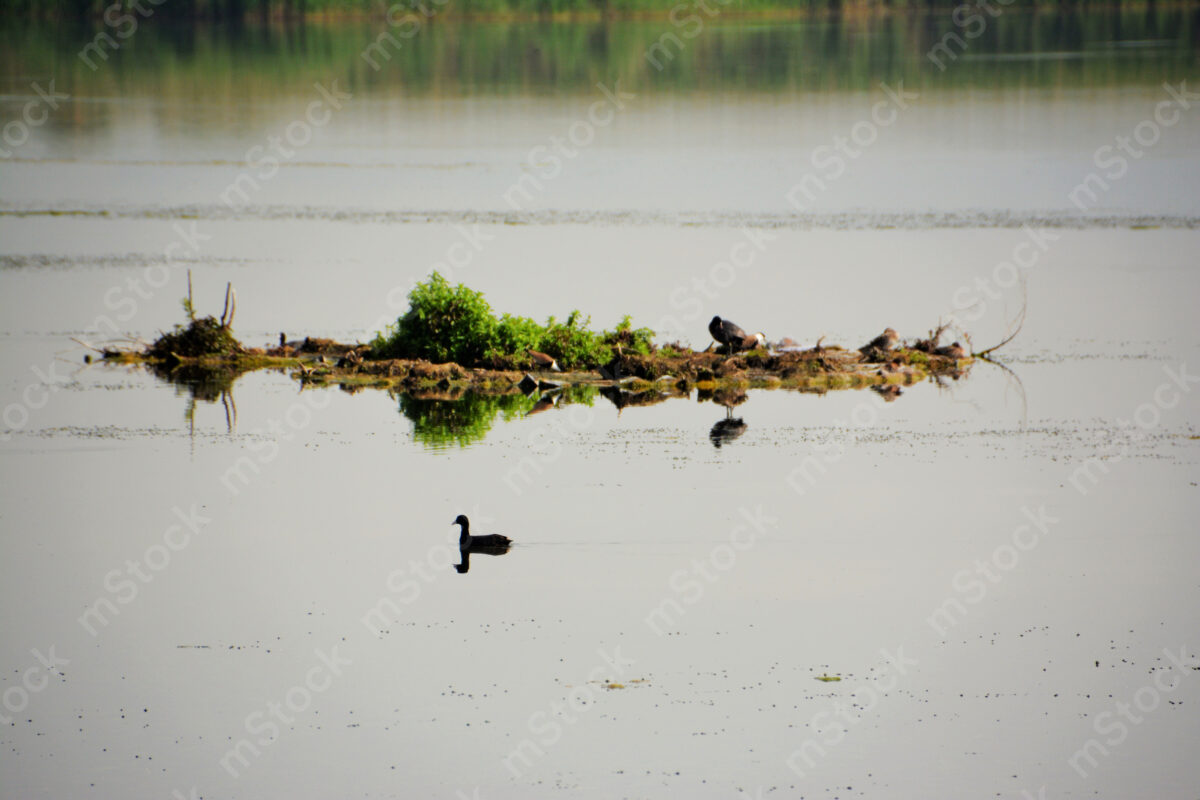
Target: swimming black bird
(468,542)
(729,334)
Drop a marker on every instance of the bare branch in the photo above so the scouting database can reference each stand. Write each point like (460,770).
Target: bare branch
(1019,322)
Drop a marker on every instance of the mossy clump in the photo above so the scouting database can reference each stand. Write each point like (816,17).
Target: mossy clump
(202,337)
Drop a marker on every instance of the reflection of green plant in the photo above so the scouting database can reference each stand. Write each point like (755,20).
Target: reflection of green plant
(466,420)
(439,423)
(580,393)
(445,323)
(201,382)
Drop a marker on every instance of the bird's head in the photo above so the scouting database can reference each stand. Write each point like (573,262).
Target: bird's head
(459,520)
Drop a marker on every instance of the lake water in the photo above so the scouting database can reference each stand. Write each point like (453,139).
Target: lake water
(1002,569)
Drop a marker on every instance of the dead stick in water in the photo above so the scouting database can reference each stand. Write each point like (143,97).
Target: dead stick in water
(85,344)
(225,311)
(1019,322)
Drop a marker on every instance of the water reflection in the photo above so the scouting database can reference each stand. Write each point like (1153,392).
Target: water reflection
(492,544)
(622,398)
(456,416)
(728,429)
(204,383)
(889,392)
(453,415)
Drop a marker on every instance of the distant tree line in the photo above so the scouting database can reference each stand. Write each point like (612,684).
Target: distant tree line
(239,9)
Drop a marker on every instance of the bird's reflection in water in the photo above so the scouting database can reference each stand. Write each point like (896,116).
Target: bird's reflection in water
(465,556)
(545,403)
(492,544)
(889,392)
(730,428)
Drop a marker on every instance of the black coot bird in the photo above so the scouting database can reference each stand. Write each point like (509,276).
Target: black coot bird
(733,337)
(468,542)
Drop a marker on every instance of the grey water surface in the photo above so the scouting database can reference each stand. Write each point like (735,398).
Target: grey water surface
(1002,569)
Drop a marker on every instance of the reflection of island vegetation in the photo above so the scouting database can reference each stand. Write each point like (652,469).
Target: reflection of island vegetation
(445,418)
(200,382)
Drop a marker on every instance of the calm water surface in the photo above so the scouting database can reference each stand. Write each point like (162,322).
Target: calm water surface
(1001,568)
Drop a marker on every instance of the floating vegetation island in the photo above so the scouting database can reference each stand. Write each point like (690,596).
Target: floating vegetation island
(455,367)
(449,341)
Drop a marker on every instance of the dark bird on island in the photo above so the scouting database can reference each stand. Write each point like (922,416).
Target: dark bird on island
(733,337)
(612,370)
(954,351)
(544,361)
(466,541)
(881,343)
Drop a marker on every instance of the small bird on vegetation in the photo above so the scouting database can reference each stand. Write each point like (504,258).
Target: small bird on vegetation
(544,361)
(881,343)
(954,351)
(468,542)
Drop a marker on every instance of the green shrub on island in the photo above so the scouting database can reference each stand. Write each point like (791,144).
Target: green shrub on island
(443,323)
(455,323)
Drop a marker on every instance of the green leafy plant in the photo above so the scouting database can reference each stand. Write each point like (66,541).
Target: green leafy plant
(443,323)
(631,339)
(455,323)
(516,336)
(574,344)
